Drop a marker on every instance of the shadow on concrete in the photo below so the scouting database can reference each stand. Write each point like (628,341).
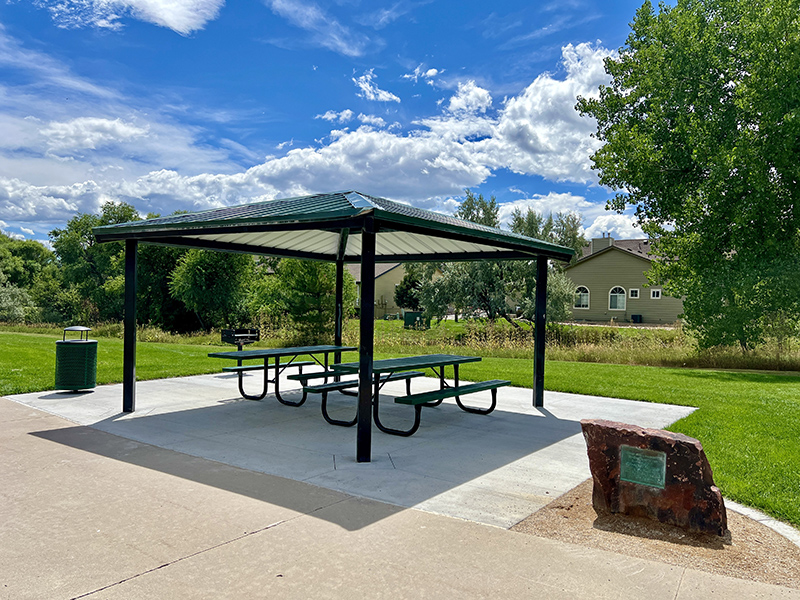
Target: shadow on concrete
(273,452)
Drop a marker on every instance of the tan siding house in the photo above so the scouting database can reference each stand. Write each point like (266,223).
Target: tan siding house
(387,276)
(610,283)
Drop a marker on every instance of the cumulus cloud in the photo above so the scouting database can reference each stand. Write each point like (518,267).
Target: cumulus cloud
(539,131)
(535,133)
(618,226)
(373,120)
(370,90)
(89,133)
(325,30)
(182,16)
(470,98)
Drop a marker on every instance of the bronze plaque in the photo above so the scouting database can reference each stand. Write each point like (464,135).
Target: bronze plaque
(642,466)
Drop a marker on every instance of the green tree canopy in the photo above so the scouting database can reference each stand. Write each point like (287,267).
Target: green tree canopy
(213,285)
(309,297)
(701,133)
(406,294)
(95,271)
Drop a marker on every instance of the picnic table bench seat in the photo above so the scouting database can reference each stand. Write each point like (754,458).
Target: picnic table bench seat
(433,398)
(340,386)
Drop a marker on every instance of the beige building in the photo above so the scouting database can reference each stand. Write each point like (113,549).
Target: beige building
(611,283)
(387,276)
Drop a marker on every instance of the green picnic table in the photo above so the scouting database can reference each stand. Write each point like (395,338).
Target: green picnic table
(387,369)
(277,354)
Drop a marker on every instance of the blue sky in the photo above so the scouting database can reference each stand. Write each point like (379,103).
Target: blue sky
(194,104)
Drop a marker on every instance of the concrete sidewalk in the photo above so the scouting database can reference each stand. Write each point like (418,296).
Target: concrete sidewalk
(90,514)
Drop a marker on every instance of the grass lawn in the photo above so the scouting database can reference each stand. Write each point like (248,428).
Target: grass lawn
(749,423)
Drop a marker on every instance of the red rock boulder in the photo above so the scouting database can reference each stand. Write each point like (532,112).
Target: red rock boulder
(653,473)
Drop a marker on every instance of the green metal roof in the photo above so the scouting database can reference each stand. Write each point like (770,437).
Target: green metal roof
(311,227)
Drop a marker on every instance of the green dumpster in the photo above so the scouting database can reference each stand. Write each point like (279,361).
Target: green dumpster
(76,361)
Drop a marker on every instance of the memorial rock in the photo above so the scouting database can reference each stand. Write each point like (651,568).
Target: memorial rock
(654,474)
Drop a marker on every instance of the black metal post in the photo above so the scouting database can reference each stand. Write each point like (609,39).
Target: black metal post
(539,323)
(339,314)
(129,341)
(339,309)
(365,347)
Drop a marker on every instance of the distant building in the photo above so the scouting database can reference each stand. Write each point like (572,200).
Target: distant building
(387,276)
(611,283)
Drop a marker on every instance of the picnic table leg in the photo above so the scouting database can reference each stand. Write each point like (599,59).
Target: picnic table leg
(241,382)
(332,421)
(278,387)
(381,426)
(442,385)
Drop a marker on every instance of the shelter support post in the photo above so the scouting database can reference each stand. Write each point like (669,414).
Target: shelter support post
(365,346)
(129,342)
(339,309)
(539,323)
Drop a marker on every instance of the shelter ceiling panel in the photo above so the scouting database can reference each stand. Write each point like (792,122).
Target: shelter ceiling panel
(311,241)
(402,242)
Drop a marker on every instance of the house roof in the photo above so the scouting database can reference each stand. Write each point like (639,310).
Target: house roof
(328,226)
(380,270)
(638,248)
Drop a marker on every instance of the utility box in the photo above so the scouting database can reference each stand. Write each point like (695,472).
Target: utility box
(76,361)
(414,320)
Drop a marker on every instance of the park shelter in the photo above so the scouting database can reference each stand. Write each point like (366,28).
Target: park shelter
(339,227)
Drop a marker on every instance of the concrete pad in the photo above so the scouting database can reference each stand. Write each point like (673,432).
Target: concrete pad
(495,469)
(91,514)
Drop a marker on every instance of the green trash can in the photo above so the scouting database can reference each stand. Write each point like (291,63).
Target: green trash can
(76,361)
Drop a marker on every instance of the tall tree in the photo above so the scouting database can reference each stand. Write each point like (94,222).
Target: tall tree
(94,270)
(213,285)
(701,133)
(309,296)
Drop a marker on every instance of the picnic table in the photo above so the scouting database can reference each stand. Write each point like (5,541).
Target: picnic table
(277,354)
(391,369)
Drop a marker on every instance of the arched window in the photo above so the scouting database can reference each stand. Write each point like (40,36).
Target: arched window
(581,297)
(616,298)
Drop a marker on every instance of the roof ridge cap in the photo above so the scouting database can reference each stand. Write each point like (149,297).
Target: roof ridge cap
(358,200)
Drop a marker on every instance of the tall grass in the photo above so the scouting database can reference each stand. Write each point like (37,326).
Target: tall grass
(655,347)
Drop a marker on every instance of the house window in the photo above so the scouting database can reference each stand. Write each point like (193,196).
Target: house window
(633,293)
(616,298)
(581,297)
(655,294)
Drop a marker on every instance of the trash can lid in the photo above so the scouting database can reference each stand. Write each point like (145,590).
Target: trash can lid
(77,328)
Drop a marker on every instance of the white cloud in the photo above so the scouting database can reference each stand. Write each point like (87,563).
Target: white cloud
(373,120)
(620,227)
(144,157)
(371,91)
(333,116)
(89,133)
(470,98)
(27,231)
(540,132)
(326,31)
(182,16)
(420,72)
(546,204)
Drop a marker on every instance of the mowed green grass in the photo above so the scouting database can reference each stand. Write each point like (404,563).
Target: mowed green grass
(749,423)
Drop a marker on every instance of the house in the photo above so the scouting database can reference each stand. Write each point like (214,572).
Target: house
(611,283)
(387,276)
